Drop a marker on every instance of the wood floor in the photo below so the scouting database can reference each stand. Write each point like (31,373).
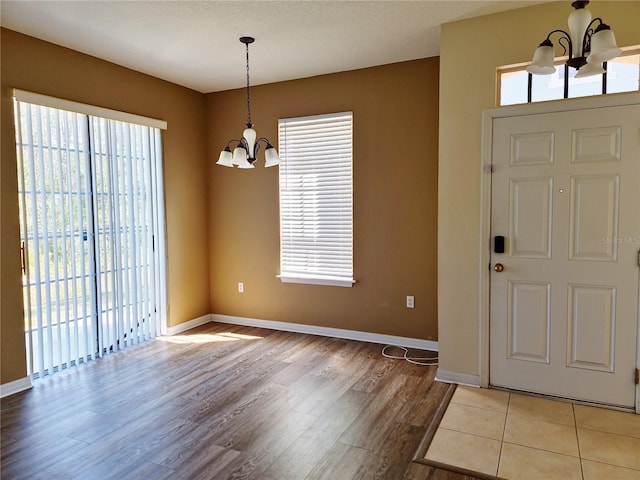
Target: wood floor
(226,402)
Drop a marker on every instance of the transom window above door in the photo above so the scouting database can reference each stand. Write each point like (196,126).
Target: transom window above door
(623,75)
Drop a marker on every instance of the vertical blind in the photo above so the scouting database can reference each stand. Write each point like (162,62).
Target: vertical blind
(316,199)
(92,233)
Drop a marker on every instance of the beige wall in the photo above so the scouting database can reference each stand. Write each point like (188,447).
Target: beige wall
(41,67)
(395,112)
(471,50)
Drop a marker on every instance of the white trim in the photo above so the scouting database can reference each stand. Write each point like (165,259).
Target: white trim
(637,404)
(313,118)
(446,376)
(329,332)
(488,116)
(566,105)
(484,305)
(16,386)
(331,282)
(85,109)
(183,327)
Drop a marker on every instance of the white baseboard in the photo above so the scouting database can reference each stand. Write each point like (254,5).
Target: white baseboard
(329,332)
(16,386)
(459,378)
(183,327)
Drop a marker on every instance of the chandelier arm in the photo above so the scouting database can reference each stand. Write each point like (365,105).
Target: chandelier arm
(240,141)
(562,41)
(588,33)
(566,38)
(266,142)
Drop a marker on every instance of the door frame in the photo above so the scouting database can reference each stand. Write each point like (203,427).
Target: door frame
(488,116)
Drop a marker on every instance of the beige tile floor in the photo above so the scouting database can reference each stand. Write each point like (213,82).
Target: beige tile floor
(519,437)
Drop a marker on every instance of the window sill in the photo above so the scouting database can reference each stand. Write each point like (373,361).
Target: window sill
(331,282)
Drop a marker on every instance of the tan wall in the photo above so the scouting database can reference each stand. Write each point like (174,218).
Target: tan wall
(471,50)
(395,111)
(41,67)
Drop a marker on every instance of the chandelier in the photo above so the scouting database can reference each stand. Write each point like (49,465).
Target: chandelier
(588,49)
(246,148)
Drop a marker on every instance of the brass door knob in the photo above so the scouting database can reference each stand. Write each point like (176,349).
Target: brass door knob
(498,267)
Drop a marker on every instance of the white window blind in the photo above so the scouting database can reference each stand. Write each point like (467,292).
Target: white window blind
(316,199)
(92,232)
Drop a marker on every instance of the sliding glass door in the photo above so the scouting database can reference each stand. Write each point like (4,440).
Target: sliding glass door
(92,233)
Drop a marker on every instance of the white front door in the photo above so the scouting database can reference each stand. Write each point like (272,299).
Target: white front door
(566,199)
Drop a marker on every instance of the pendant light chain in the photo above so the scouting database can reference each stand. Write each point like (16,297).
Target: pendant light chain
(248,90)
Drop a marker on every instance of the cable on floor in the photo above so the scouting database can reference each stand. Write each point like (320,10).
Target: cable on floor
(426,361)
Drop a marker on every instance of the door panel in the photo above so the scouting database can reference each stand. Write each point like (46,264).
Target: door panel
(564,311)
(530,217)
(592,314)
(596,145)
(529,320)
(532,149)
(594,214)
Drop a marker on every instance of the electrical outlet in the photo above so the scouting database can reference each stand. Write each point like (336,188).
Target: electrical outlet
(240,287)
(410,301)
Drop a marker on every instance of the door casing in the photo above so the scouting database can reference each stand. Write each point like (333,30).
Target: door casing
(488,117)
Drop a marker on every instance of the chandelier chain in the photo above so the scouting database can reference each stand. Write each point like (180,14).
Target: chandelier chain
(248,90)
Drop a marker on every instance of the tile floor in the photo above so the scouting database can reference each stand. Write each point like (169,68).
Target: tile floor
(518,437)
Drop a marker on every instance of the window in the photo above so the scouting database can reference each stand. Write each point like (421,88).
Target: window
(92,230)
(623,75)
(316,199)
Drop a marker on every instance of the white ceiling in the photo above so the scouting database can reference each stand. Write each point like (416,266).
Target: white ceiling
(195,43)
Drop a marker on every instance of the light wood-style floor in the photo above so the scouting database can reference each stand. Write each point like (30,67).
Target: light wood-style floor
(226,402)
